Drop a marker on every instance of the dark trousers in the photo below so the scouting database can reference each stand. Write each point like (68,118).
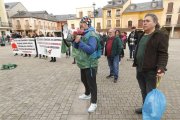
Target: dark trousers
(147,82)
(68,52)
(88,78)
(53,59)
(131,51)
(36,47)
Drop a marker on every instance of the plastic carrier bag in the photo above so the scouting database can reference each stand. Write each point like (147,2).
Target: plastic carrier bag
(154,105)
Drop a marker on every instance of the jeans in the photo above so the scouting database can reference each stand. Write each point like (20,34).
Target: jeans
(88,78)
(147,82)
(131,50)
(113,63)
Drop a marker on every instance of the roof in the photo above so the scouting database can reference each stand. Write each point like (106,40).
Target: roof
(115,3)
(35,14)
(146,6)
(65,17)
(10,5)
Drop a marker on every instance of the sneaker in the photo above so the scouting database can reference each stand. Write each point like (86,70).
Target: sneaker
(138,111)
(85,97)
(92,107)
(109,76)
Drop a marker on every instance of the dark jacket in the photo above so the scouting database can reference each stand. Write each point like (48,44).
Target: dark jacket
(117,46)
(135,38)
(156,52)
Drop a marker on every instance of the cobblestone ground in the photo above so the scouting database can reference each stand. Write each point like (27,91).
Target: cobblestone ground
(40,90)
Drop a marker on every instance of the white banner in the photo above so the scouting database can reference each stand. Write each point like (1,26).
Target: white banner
(23,45)
(49,46)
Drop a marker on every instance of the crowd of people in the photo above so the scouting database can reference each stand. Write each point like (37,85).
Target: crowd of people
(148,49)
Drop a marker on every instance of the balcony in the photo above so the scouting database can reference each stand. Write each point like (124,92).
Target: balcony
(4,24)
(168,23)
(10,24)
(18,27)
(108,26)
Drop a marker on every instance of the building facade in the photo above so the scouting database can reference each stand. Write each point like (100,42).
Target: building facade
(29,22)
(4,26)
(134,14)
(112,13)
(122,14)
(62,20)
(171,17)
(12,8)
(73,23)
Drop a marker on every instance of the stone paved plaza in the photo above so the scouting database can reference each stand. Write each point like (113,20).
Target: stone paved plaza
(40,90)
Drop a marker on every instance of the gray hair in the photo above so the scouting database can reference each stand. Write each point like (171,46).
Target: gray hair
(155,19)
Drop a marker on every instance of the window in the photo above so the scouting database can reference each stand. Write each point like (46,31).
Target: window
(35,22)
(72,26)
(18,26)
(110,3)
(27,22)
(108,23)
(7,14)
(130,24)
(178,22)
(39,24)
(119,2)
(98,25)
(118,13)
(140,23)
(117,23)
(109,13)
(80,14)
(168,19)
(18,22)
(170,7)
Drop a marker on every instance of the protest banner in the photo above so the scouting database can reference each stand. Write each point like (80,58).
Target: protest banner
(23,45)
(49,46)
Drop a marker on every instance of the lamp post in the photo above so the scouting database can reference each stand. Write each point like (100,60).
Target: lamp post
(94,13)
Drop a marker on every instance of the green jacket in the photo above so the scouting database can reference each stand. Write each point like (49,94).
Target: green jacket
(117,47)
(83,59)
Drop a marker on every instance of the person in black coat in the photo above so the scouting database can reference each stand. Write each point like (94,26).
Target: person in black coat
(132,39)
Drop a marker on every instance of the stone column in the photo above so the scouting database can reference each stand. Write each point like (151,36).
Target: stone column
(172,32)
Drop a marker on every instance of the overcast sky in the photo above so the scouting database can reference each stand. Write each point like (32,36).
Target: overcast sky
(67,7)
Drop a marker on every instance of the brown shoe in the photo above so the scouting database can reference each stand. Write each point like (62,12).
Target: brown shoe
(138,111)
(115,80)
(109,76)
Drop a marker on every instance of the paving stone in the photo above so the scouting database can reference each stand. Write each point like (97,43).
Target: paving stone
(40,90)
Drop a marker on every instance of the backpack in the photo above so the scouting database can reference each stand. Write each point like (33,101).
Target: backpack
(97,54)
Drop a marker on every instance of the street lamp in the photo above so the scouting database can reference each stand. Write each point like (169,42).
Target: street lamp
(94,12)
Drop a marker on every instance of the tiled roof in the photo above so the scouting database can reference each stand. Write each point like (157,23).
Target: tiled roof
(146,6)
(10,5)
(65,17)
(115,3)
(35,14)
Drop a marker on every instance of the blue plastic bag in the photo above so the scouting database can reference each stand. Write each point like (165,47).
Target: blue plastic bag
(154,105)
